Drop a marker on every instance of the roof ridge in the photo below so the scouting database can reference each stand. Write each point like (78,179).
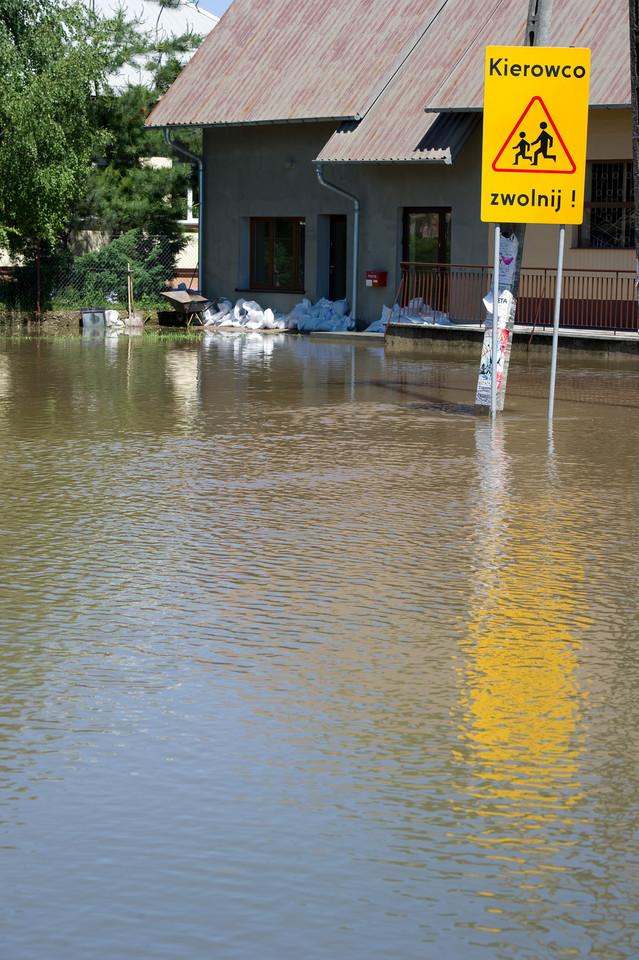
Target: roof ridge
(474,40)
(390,75)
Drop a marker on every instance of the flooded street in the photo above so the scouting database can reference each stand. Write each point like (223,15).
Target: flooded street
(302,659)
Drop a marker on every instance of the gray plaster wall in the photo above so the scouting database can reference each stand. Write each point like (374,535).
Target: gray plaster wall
(269,171)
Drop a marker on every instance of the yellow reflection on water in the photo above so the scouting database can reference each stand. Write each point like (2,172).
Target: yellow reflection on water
(519,737)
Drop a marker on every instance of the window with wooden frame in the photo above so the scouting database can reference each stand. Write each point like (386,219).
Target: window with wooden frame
(609,213)
(426,235)
(277,253)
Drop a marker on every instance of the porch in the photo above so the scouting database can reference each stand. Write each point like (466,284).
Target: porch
(596,300)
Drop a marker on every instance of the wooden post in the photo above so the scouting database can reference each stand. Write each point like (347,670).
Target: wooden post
(38,280)
(129,288)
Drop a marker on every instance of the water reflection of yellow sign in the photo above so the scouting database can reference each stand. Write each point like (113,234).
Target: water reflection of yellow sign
(522,696)
(521,682)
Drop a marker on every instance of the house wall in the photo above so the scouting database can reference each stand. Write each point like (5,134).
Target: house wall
(253,172)
(268,171)
(187,259)
(609,138)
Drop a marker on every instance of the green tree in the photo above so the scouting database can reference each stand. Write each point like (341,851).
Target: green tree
(53,58)
(125,190)
(74,148)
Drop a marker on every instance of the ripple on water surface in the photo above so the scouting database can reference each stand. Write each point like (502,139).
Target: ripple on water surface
(302,657)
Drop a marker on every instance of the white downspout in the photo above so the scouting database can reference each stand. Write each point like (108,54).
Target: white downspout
(349,196)
(200,164)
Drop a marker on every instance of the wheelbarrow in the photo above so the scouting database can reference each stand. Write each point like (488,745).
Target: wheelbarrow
(188,305)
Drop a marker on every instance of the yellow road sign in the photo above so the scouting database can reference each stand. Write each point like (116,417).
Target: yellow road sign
(535,128)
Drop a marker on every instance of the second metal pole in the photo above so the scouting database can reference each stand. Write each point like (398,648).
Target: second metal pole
(494,348)
(555,329)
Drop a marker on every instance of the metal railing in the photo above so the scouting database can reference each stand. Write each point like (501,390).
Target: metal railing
(591,299)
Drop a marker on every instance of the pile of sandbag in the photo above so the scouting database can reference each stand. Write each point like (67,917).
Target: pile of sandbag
(113,319)
(324,315)
(245,313)
(305,316)
(416,312)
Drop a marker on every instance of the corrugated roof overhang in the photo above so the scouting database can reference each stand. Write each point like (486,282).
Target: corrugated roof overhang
(439,140)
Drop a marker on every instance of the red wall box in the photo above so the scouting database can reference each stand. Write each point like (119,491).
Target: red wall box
(376,278)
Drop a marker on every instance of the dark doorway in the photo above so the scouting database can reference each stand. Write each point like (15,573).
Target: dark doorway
(337,258)
(426,235)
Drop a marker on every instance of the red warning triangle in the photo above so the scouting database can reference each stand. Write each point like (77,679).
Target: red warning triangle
(534,145)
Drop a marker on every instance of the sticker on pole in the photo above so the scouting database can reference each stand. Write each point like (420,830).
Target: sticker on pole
(535,128)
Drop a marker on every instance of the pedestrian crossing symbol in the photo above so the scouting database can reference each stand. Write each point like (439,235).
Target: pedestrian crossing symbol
(534,139)
(534,145)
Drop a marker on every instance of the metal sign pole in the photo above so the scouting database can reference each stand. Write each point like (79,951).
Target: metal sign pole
(555,329)
(494,349)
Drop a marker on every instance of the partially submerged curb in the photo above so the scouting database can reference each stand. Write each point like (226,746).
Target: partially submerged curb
(466,339)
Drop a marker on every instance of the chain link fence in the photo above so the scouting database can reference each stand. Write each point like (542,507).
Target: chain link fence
(99,278)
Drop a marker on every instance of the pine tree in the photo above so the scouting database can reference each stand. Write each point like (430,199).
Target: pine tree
(125,190)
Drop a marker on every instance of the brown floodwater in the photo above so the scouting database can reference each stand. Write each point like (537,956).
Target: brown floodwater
(303,658)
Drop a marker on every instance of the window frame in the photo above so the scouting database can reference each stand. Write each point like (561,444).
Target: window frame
(444,230)
(298,259)
(625,208)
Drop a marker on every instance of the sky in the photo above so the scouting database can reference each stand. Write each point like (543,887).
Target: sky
(216,7)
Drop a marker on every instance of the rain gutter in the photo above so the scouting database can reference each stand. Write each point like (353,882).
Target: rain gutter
(200,165)
(344,193)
